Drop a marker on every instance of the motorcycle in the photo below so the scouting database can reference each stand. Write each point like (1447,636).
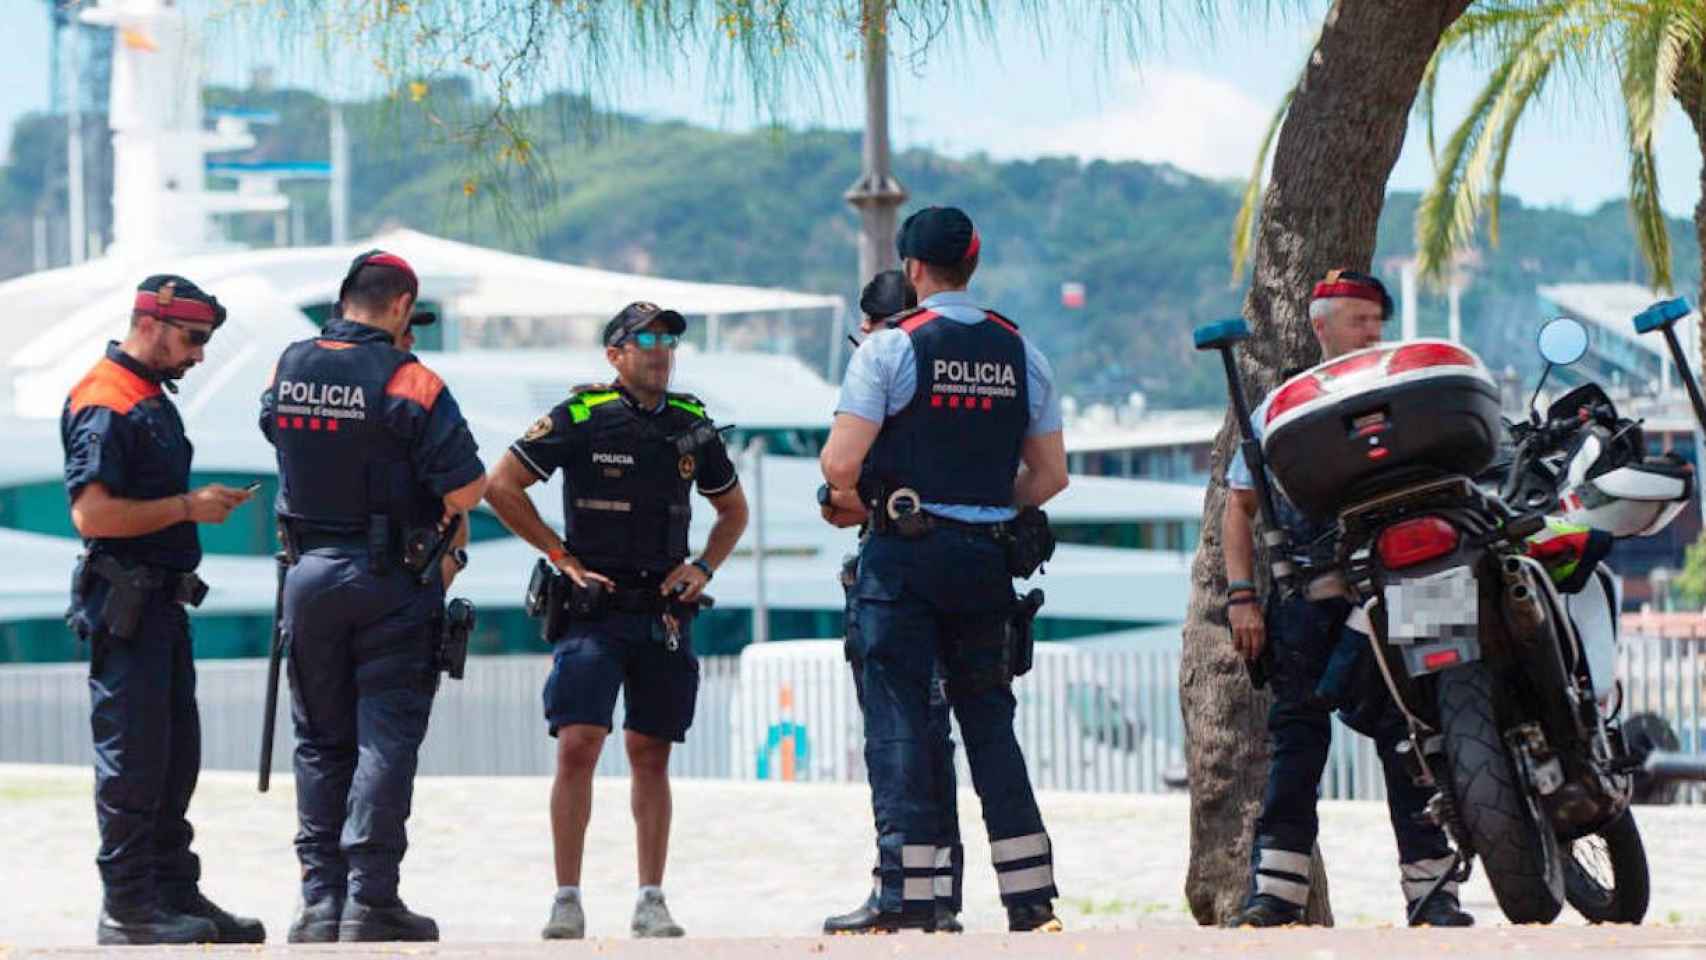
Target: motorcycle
(1469,548)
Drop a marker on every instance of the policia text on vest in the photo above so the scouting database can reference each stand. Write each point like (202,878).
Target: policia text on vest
(617,591)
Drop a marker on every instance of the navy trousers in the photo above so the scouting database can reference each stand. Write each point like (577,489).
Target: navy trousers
(942,598)
(362,679)
(147,737)
(1305,634)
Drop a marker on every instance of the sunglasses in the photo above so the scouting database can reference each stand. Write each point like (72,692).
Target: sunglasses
(647,340)
(197,336)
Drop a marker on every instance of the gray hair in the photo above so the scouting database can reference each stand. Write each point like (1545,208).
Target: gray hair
(1323,308)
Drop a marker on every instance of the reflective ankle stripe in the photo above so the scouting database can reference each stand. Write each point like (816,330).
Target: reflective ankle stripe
(1418,876)
(1290,891)
(1019,848)
(1283,874)
(1025,880)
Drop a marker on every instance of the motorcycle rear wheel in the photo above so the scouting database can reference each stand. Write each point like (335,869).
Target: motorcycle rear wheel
(1518,851)
(1605,874)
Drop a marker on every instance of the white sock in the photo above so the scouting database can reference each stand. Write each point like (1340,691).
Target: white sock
(566,894)
(646,888)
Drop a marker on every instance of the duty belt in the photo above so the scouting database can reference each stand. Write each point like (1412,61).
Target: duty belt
(921,523)
(186,588)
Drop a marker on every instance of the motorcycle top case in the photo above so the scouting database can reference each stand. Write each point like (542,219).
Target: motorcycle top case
(1378,419)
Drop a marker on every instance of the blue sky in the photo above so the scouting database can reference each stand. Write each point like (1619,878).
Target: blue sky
(1197,101)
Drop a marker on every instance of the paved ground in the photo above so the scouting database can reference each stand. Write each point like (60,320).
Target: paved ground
(764,860)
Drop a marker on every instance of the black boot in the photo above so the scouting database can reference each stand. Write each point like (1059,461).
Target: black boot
(1266,911)
(232,928)
(1441,910)
(365,923)
(152,925)
(868,917)
(317,922)
(1033,916)
(948,919)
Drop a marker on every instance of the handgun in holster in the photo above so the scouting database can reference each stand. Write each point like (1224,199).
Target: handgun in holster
(452,652)
(1021,636)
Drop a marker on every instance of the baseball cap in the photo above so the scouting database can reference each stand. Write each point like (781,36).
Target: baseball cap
(940,235)
(637,315)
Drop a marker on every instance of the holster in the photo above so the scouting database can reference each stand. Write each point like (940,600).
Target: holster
(452,655)
(547,591)
(1021,635)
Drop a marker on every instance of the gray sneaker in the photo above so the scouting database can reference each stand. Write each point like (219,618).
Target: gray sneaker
(652,919)
(568,921)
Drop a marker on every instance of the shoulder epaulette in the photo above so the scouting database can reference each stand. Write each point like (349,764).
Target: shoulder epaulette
(1006,320)
(688,402)
(586,397)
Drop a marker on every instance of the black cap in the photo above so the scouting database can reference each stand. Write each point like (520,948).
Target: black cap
(940,235)
(887,294)
(168,295)
(637,315)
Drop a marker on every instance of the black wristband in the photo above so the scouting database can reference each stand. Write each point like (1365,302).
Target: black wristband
(704,568)
(1249,600)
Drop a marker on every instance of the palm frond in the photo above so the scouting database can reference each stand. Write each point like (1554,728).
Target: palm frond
(1244,225)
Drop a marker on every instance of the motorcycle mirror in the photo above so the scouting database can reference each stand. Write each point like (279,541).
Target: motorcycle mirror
(1563,341)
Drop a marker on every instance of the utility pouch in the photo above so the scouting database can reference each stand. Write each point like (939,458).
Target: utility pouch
(191,590)
(588,602)
(419,548)
(453,641)
(1021,637)
(1030,544)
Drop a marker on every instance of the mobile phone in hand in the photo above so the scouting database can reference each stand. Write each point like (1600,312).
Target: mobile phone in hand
(252,488)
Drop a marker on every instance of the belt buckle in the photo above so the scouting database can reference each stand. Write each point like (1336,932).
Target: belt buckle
(905,509)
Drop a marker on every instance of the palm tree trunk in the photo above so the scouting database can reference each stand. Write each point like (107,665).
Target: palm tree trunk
(1341,137)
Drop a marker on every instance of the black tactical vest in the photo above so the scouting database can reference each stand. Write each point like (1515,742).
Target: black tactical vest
(339,464)
(958,440)
(626,493)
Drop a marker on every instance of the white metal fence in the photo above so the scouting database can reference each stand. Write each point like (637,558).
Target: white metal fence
(1090,720)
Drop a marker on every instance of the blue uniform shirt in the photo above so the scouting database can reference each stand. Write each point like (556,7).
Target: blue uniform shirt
(883,375)
(119,430)
(1237,471)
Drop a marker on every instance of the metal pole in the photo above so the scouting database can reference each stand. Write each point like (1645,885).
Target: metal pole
(74,149)
(760,605)
(876,194)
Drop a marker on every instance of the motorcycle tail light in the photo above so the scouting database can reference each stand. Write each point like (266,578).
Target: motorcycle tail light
(1361,360)
(1294,394)
(1416,541)
(1419,355)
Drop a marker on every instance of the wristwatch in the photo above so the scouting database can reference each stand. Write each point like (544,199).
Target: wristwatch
(460,557)
(824,492)
(704,567)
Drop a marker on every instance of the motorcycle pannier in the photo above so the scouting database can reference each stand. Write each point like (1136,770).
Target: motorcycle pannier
(1378,419)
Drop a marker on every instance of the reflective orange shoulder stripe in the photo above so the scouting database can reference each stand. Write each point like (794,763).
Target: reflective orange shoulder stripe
(913,323)
(413,381)
(109,385)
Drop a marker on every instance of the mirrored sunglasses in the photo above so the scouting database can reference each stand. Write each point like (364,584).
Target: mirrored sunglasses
(647,340)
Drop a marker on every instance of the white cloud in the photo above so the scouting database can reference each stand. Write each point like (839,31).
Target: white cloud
(1196,122)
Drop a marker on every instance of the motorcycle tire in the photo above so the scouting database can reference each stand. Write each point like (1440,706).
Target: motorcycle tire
(1605,873)
(1518,851)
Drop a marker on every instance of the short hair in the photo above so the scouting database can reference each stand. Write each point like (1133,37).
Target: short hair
(374,287)
(952,275)
(1320,309)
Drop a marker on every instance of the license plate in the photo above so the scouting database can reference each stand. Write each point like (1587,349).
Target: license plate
(1443,606)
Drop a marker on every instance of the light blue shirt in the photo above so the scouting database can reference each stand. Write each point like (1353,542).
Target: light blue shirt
(1237,471)
(882,376)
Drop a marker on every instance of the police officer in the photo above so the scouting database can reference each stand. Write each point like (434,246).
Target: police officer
(946,424)
(627,590)
(1347,310)
(887,295)
(127,471)
(374,458)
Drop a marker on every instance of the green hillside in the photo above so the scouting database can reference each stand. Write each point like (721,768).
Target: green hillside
(1148,242)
